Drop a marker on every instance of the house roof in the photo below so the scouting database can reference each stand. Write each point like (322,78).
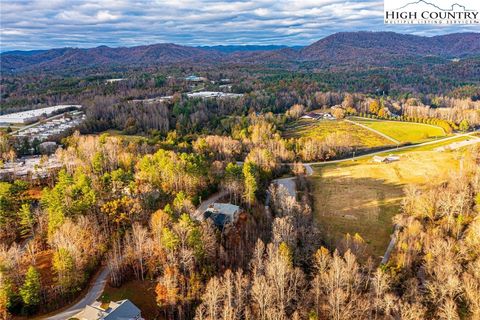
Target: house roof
(91,312)
(312,115)
(120,310)
(226,208)
(221,213)
(220,219)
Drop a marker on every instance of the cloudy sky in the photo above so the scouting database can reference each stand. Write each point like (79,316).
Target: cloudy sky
(40,24)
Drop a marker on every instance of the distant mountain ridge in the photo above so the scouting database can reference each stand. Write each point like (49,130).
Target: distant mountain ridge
(239,48)
(375,48)
(340,49)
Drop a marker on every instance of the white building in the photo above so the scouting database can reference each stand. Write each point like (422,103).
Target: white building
(114,80)
(33,115)
(213,94)
(120,310)
(387,159)
(222,214)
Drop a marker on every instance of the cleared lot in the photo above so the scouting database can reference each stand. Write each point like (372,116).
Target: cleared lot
(320,129)
(403,131)
(362,197)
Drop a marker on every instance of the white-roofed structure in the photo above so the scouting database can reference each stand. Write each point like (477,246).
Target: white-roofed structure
(120,310)
(213,94)
(35,114)
(222,214)
(387,159)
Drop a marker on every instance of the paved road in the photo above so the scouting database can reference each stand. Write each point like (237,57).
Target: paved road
(214,198)
(198,215)
(308,169)
(289,184)
(391,245)
(91,296)
(458,145)
(391,150)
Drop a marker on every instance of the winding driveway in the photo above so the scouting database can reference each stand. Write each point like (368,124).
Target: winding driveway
(92,295)
(211,200)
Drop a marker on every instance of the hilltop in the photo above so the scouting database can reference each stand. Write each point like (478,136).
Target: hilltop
(340,49)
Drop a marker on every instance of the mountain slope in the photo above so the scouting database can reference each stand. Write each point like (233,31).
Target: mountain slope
(340,49)
(379,48)
(105,56)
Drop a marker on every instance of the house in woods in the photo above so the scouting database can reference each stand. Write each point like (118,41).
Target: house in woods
(222,214)
(311,115)
(194,78)
(387,159)
(120,310)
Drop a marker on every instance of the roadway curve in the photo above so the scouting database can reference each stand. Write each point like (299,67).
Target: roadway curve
(391,149)
(92,295)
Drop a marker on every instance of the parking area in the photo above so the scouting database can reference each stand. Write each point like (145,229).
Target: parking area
(48,128)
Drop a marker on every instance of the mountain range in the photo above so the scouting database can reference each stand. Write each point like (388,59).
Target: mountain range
(340,49)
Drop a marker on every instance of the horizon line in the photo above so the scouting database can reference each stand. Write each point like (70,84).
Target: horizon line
(228,44)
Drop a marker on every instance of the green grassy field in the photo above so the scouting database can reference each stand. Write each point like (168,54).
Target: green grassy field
(403,131)
(360,137)
(362,197)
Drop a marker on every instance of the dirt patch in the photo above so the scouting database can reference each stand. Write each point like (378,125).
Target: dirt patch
(43,263)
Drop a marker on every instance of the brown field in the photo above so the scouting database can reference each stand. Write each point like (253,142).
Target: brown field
(141,293)
(362,197)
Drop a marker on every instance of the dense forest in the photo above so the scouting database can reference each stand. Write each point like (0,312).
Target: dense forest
(272,265)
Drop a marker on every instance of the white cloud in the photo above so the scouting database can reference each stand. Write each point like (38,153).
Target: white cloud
(32,24)
(12,32)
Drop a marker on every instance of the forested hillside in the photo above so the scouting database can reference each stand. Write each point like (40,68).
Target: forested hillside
(341,49)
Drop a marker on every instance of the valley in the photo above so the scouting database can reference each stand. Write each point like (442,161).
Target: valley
(170,181)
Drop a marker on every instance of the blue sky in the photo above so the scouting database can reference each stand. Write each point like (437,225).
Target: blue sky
(40,24)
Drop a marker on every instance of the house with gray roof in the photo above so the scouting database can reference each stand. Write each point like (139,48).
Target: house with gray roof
(222,214)
(119,310)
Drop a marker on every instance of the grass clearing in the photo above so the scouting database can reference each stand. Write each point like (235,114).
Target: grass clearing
(141,293)
(361,137)
(403,131)
(362,197)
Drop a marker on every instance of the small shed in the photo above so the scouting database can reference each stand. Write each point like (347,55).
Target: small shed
(387,159)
